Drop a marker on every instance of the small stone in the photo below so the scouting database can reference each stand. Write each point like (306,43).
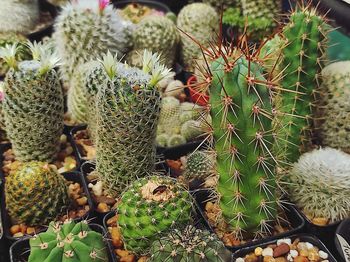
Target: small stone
(284,240)
(240,259)
(268,259)
(103,208)
(116,237)
(322,254)
(281,259)
(82,201)
(15,229)
(325,260)
(69,150)
(320,221)
(267,252)
(281,250)
(301,259)
(304,252)
(313,255)
(19,234)
(104,199)
(309,245)
(97,188)
(129,258)
(258,251)
(294,253)
(23,228)
(63,139)
(251,258)
(290,258)
(30,230)
(112,221)
(142,259)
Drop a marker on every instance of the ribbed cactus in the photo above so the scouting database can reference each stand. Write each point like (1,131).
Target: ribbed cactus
(36,194)
(200,165)
(157,34)
(201,22)
(190,244)
(19,16)
(334,129)
(319,184)
(302,62)
(169,116)
(33,104)
(66,242)
(222,5)
(127,115)
(149,208)
(84,31)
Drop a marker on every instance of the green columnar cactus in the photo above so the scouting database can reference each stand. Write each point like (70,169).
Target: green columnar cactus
(302,61)
(19,16)
(169,116)
(127,115)
(68,242)
(199,165)
(85,30)
(201,22)
(319,184)
(33,104)
(242,132)
(36,194)
(157,34)
(149,208)
(190,244)
(335,105)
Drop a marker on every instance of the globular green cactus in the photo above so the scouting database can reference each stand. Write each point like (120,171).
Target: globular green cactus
(334,129)
(319,184)
(33,105)
(190,111)
(169,116)
(192,129)
(302,56)
(222,5)
(127,111)
(84,31)
(157,34)
(69,241)
(189,244)
(175,140)
(201,22)
(200,165)
(36,194)
(149,208)
(19,16)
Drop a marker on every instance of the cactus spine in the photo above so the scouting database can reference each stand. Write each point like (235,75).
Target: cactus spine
(33,104)
(301,64)
(68,242)
(127,115)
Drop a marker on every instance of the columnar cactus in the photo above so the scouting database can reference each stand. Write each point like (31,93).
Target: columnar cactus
(127,115)
(19,16)
(157,34)
(319,184)
(33,104)
(149,208)
(36,194)
(169,116)
(302,62)
(69,241)
(84,31)
(335,106)
(200,21)
(190,244)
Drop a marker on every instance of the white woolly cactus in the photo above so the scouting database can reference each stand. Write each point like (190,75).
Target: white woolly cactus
(18,16)
(319,184)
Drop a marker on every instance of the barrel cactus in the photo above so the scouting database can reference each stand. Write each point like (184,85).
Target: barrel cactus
(84,31)
(200,21)
(33,104)
(127,111)
(19,16)
(200,165)
(335,106)
(149,208)
(157,34)
(319,184)
(36,194)
(69,241)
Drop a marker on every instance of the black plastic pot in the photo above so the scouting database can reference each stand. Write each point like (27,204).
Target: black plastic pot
(342,240)
(152,4)
(175,6)
(20,250)
(202,196)
(181,150)
(73,176)
(303,237)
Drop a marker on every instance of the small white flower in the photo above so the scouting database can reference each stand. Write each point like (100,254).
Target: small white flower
(109,63)
(8,53)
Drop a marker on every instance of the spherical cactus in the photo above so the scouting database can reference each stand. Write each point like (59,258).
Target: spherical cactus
(319,184)
(334,129)
(157,34)
(174,88)
(200,165)
(19,16)
(169,116)
(149,208)
(222,5)
(69,241)
(192,129)
(201,22)
(162,140)
(35,194)
(176,140)
(33,104)
(190,111)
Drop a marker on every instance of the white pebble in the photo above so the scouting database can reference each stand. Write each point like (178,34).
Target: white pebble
(309,245)
(267,252)
(287,241)
(290,258)
(239,259)
(322,254)
(97,188)
(293,253)
(325,260)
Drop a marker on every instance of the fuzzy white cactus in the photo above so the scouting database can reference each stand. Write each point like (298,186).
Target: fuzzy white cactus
(319,184)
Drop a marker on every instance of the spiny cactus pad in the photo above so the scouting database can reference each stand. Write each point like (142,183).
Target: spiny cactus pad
(149,208)
(68,242)
(190,244)
(319,184)
(35,194)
